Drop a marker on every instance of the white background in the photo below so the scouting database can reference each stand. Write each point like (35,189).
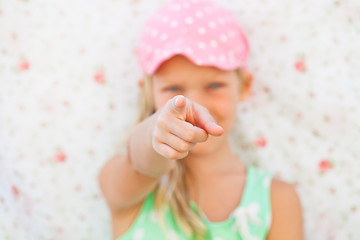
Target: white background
(68,96)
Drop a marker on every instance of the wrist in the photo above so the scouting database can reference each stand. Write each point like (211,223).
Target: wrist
(141,154)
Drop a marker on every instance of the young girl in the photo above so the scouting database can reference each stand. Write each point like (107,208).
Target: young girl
(179,178)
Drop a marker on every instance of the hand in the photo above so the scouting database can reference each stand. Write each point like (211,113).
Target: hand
(181,124)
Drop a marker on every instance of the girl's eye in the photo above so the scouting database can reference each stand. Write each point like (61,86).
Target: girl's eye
(173,89)
(215,85)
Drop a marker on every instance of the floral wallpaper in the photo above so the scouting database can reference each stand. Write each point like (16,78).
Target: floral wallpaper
(68,95)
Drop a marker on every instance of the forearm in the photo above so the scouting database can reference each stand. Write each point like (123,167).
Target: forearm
(127,179)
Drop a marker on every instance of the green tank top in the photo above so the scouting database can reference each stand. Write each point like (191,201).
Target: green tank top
(249,221)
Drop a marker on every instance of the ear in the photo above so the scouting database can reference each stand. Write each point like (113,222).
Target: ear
(246,87)
(141,83)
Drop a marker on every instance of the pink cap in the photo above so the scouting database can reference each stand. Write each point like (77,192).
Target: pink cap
(208,35)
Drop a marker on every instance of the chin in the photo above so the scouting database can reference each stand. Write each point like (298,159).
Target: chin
(199,149)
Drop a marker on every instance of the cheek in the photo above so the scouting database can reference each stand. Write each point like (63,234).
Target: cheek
(160,99)
(158,102)
(230,115)
(228,111)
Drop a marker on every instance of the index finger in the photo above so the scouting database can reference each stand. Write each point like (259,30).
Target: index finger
(207,122)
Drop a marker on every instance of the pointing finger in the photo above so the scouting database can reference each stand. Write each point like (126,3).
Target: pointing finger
(208,123)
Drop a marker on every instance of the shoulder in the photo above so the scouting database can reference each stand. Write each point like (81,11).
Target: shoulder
(279,187)
(116,159)
(287,222)
(283,195)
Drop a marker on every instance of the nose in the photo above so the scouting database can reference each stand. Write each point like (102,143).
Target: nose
(198,97)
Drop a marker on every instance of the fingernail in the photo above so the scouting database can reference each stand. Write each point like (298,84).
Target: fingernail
(216,125)
(177,99)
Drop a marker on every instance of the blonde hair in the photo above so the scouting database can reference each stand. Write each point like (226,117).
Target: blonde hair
(171,189)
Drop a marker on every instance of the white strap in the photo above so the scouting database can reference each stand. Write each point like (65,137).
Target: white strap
(243,216)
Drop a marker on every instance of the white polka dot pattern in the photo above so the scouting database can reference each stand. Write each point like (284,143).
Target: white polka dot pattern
(194,27)
(173,235)
(154,216)
(139,234)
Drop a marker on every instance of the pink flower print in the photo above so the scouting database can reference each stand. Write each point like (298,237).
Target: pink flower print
(82,218)
(300,65)
(15,191)
(325,165)
(99,77)
(112,106)
(266,90)
(60,157)
(312,95)
(244,147)
(24,65)
(327,118)
(299,115)
(260,142)
(14,36)
(353,209)
(292,139)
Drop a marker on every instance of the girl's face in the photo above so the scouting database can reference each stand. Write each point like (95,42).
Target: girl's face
(217,90)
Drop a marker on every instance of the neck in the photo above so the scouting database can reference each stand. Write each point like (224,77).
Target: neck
(215,161)
(204,171)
